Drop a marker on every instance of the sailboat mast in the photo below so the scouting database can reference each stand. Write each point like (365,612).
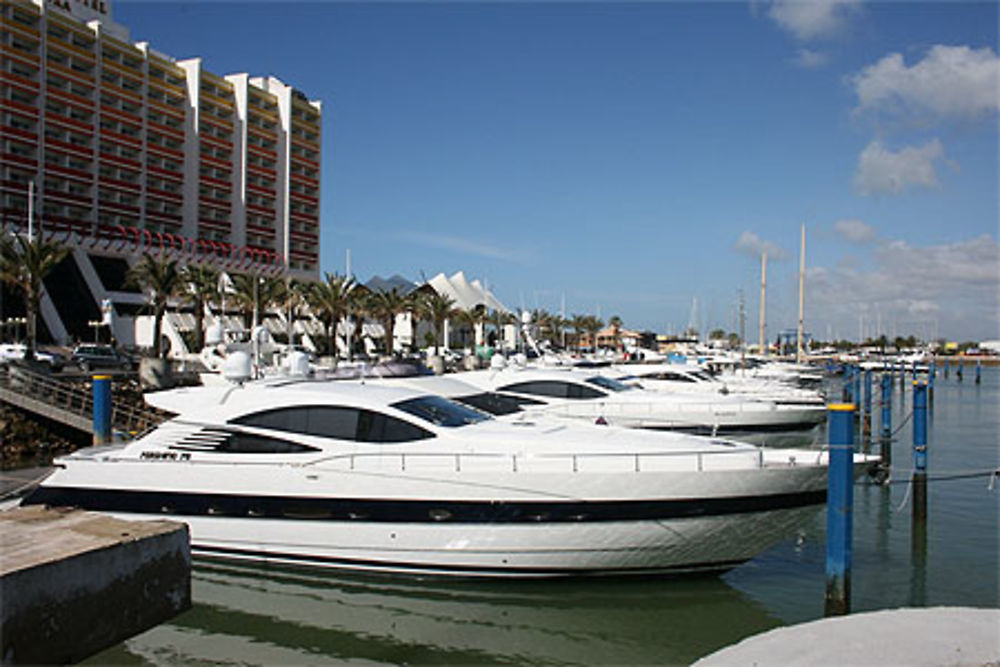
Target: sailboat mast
(802,286)
(763,294)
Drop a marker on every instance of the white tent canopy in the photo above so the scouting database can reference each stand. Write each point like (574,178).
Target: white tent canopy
(466,295)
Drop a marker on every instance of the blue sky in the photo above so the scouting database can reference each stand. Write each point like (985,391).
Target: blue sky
(631,158)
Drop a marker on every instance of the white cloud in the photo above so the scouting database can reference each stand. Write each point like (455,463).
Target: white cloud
(809,59)
(950,82)
(811,19)
(951,290)
(465,246)
(882,171)
(855,231)
(750,244)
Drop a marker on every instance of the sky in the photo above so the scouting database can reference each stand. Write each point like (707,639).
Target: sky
(635,159)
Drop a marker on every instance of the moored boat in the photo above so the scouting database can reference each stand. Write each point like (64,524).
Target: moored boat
(352,475)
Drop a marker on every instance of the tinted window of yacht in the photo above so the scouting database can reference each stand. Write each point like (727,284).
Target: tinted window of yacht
(251,443)
(554,388)
(608,383)
(341,423)
(495,404)
(667,375)
(377,427)
(440,411)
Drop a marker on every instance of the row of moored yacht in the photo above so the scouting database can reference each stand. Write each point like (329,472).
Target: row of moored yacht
(510,471)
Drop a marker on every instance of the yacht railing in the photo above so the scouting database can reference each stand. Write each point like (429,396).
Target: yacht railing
(696,461)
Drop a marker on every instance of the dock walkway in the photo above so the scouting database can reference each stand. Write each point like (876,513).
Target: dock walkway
(954,636)
(74,583)
(69,403)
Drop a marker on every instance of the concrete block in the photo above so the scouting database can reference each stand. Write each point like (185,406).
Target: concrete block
(73,583)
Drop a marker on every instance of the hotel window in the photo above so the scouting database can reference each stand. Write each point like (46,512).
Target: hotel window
(23,44)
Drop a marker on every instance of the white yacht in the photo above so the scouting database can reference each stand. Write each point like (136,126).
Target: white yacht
(349,474)
(590,395)
(687,378)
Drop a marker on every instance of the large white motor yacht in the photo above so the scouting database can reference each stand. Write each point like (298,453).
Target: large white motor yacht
(348,474)
(689,378)
(590,395)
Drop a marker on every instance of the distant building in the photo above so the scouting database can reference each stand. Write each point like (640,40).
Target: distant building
(130,151)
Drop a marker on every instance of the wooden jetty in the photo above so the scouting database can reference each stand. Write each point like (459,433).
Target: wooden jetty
(74,583)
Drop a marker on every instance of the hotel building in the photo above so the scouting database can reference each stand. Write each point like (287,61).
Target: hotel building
(129,151)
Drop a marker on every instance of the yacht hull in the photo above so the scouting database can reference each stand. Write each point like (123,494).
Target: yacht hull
(497,524)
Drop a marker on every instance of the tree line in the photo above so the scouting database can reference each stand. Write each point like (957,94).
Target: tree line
(166,283)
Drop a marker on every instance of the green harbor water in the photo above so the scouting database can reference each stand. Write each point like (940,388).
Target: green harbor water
(249,615)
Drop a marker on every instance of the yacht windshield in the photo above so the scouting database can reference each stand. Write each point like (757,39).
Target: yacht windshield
(440,411)
(494,404)
(608,383)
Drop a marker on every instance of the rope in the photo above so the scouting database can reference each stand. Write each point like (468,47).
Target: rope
(992,474)
(906,497)
(947,477)
(15,492)
(902,424)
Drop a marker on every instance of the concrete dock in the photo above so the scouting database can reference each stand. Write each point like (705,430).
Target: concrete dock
(73,583)
(924,637)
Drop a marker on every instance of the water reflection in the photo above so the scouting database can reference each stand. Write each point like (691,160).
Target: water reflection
(268,616)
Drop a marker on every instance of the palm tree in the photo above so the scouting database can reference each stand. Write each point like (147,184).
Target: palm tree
(255,294)
(592,325)
(161,280)
(24,264)
(615,323)
(416,306)
(440,307)
(384,305)
(291,299)
(202,288)
(579,324)
(331,301)
(499,318)
(471,318)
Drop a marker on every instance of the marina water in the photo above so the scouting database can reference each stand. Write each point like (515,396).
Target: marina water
(254,615)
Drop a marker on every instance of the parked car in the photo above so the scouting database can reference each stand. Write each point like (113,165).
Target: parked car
(16,351)
(92,357)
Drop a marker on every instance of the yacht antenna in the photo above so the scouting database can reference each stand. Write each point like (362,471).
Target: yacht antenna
(802,287)
(743,336)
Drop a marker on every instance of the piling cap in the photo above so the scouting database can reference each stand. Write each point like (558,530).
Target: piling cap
(101,377)
(917,383)
(841,407)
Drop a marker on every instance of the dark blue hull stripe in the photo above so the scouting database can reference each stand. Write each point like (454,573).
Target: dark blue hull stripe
(707,429)
(412,511)
(422,568)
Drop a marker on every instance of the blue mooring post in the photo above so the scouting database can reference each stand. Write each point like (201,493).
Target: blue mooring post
(866,420)
(947,367)
(846,392)
(918,521)
(979,371)
(885,449)
(102,409)
(839,510)
(931,372)
(920,426)
(856,394)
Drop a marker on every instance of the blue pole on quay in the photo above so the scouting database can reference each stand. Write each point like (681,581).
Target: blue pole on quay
(947,367)
(866,423)
(979,371)
(856,396)
(920,426)
(102,409)
(886,446)
(918,520)
(848,385)
(839,510)
(931,372)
